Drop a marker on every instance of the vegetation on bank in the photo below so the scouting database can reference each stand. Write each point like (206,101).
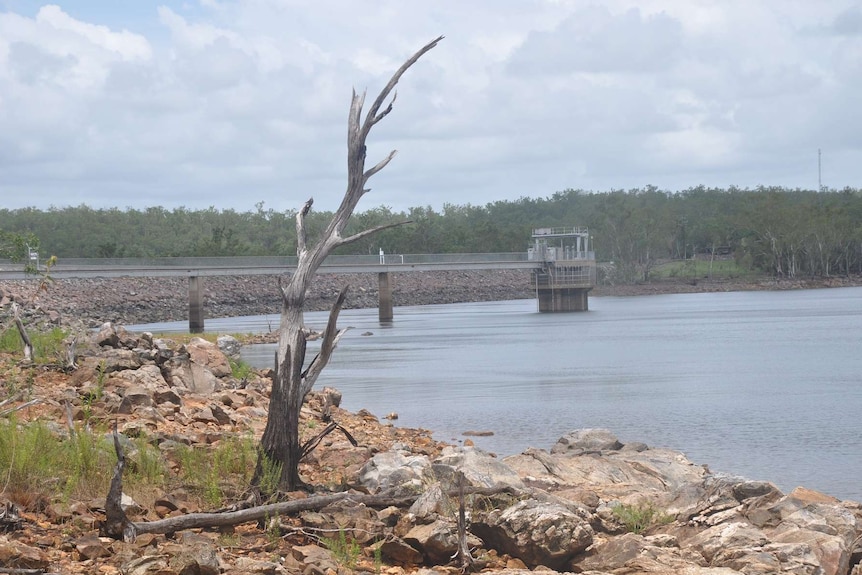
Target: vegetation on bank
(42,467)
(32,452)
(48,344)
(777,231)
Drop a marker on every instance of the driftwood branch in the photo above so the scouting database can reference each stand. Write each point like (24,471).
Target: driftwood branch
(253,514)
(12,399)
(20,407)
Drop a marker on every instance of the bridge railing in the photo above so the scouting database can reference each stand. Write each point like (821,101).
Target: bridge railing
(182,262)
(287,261)
(460,258)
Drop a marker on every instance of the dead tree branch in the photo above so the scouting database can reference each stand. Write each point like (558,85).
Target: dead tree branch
(309,445)
(368,232)
(22,331)
(254,514)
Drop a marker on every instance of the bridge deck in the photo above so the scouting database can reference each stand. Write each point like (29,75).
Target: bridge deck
(208,267)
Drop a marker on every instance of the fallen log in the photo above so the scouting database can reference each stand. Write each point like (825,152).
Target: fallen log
(118,526)
(314,503)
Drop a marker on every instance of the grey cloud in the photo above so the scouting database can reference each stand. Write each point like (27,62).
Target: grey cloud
(32,65)
(249,103)
(218,67)
(848,22)
(595,41)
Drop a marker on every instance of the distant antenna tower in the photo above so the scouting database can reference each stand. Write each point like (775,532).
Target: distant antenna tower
(819,172)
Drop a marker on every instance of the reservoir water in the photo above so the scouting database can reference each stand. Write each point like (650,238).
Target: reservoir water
(767,385)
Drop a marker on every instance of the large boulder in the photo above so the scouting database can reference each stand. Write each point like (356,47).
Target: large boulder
(147,376)
(394,469)
(537,533)
(194,377)
(209,356)
(436,541)
(659,474)
(586,441)
(480,469)
(229,345)
(790,536)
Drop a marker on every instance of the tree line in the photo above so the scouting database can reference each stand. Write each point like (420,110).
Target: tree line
(779,231)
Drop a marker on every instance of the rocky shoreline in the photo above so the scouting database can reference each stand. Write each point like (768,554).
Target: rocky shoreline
(588,504)
(129,301)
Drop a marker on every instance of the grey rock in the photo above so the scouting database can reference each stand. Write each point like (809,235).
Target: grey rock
(106,336)
(194,377)
(536,533)
(399,551)
(393,469)
(220,415)
(614,553)
(135,396)
(433,502)
(256,567)
(196,555)
(229,345)
(586,440)
(480,469)
(437,541)
(147,376)
(166,395)
(208,355)
(146,565)
(750,489)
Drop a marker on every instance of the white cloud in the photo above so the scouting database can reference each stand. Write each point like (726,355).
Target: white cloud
(233,102)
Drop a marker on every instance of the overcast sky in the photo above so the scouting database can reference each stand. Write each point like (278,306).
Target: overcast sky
(229,103)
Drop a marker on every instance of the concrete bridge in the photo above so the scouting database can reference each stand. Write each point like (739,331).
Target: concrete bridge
(557,288)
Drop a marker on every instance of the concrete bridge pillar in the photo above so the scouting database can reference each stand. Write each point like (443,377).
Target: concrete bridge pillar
(196,304)
(384,294)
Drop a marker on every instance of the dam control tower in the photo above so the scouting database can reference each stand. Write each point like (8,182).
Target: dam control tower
(568,268)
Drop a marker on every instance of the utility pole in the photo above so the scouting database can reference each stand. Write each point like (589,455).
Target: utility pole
(819,172)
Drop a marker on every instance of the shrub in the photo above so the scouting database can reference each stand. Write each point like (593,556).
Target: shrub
(345,551)
(639,517)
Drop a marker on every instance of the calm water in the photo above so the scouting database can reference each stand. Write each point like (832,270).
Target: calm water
(763,384)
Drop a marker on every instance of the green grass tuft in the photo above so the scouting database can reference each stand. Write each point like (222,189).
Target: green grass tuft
(639,517)
(346,551)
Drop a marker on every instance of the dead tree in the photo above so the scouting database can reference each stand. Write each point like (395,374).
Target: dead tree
(292,380)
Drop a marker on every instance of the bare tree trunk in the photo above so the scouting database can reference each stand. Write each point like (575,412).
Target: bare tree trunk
(280,448)
(22,331)
(465,559)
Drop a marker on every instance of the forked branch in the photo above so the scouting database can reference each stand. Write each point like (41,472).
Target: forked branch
(357,133)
